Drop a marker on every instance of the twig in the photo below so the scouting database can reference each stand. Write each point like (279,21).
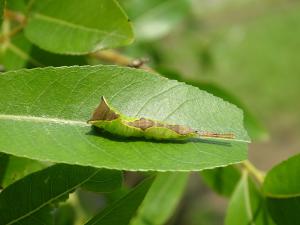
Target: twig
(15,16)
(11,33)
(122,60)
(256,173)
(12,16)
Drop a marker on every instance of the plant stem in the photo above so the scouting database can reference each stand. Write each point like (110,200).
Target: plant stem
(15,16)
(12,16)
(256,173)
(120,59)
(11,33)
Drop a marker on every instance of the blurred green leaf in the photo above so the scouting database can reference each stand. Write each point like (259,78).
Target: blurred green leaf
(282,188)
(53,104)
(155,18)
(78,27)
(222,180)
(65,215)
(17,5)
(283,180)
(2,7)
(247,205)
(18,168)
(262,70)
(36,192)
(124,209)
(161,199)
(95,183)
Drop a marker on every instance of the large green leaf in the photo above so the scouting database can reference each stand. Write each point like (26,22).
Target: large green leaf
(78,27)
(45,111)
(247,205)
(222,180)
(161,199)
(36,192)
(155,18)
(121,211)
(282,188)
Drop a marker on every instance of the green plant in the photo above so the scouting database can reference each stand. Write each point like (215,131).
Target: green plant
(53,82)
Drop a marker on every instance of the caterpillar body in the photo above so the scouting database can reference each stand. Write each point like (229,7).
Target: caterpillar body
(111,120)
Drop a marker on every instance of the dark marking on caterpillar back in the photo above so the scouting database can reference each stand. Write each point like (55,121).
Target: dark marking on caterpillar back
(146,123)
(142,123)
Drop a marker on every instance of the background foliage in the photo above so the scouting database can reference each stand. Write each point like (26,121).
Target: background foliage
(61,171)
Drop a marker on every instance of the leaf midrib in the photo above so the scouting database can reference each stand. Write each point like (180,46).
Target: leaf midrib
(282,196)
(247,200)
(73,25)
(42,120)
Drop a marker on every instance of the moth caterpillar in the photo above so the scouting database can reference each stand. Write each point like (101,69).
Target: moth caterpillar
(111,120)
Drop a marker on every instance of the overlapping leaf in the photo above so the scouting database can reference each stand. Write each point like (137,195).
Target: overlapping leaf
(121,211)
(161,199)
(282,188)
(78,27)
(247,205)
(223,180)
(36,192)
(155,18)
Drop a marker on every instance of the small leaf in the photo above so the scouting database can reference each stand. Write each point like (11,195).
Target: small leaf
(18,168)
(282,181)
(53,104)
(161,199)
(247,205)
(65,215)
(282,188)
(124,209)
(222,180)
(37,191)
(155,18)
(78,27)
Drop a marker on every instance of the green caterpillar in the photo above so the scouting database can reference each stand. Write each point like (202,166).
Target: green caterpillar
(107,118)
